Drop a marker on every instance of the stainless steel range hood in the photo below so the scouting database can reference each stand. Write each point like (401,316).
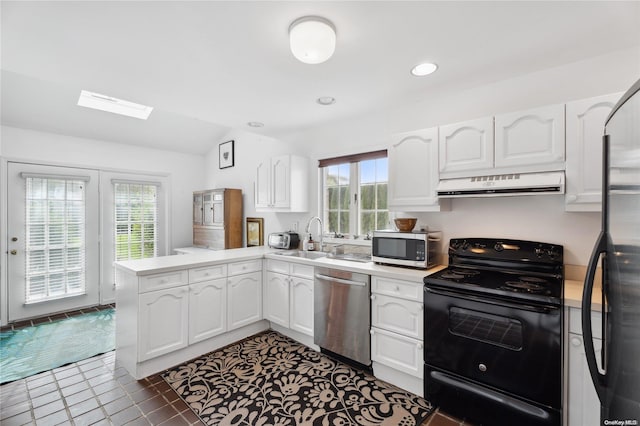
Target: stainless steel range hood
(502,185)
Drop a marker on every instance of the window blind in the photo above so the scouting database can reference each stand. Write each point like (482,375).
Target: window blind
(136,219)
(55,237)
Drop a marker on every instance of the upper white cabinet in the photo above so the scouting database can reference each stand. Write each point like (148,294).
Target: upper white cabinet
(585,127)
(413,171)
(531,140)
(466,148)
(282,184)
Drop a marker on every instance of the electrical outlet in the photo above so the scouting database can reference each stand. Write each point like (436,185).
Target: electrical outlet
(294,226)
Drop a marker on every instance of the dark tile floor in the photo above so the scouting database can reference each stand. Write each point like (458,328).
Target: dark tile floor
(96,391)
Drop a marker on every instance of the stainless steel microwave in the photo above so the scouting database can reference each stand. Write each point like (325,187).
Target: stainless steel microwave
(419,249)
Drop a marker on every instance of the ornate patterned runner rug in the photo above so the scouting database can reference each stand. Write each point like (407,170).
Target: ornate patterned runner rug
(269,379)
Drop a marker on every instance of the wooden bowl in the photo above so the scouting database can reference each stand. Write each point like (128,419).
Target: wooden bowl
(405,224)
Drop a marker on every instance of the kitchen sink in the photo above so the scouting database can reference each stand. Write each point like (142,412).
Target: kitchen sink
(352,257)
(302,254)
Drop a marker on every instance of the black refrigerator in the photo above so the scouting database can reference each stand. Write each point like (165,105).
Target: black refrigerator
(617,251)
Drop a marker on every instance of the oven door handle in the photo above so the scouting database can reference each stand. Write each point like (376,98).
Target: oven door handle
(545,309)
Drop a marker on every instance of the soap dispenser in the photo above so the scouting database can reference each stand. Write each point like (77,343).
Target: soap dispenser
(309,244)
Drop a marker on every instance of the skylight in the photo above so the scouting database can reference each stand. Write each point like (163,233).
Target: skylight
(114,105)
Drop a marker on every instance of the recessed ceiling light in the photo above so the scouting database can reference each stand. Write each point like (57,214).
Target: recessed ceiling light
(423,69)
(255,124)
(326,100)
(110,104)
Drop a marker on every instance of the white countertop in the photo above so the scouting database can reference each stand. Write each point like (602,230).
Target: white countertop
(573,288)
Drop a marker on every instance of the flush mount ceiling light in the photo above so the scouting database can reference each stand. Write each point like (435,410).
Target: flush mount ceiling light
(312,39)
(326,100)
(110,104)
(255,124)
(423,69)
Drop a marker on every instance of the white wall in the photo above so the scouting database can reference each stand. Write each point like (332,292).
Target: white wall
(250,149)
(539,218)
(186,172)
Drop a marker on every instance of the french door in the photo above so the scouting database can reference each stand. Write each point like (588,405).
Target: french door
(53,233)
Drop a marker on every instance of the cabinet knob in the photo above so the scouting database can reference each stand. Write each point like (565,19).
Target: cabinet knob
(421,307)
(482,367)
(163,281)
(576,341)
(397,288)
(373,297)
(419,345)
(371,332)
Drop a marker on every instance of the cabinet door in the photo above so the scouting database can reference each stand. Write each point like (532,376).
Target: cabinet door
(263,184)
(396,351)
(277,294)
(585,127)
(583,403)
(244,299)
(197,208)
(413,171)
(532,138)
(207,309)
(397,315)
(164,322)
(465,148)
(281,181)
(301,309)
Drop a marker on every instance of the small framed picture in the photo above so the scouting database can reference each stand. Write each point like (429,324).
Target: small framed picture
(255,231)
(226,154)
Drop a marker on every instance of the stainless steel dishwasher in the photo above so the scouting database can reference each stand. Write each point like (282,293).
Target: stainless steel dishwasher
(342,313)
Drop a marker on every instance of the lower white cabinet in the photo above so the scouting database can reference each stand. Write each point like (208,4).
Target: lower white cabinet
(583,405)
(277,298)
(244,299)
(301,305)
(397,332)
(207,309)
(164,322)
(289,295)
(397,351)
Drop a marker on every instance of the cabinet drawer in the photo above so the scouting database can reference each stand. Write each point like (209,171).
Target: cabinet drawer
(302,271)
(245,267)
(278,266)
(398,352)
(164,280)
(397,288)
(197,275)
(575,322)
(397,315)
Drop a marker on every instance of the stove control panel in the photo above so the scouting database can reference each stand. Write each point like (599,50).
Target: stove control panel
(503,249)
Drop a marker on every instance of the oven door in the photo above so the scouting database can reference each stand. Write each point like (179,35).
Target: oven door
(509,346)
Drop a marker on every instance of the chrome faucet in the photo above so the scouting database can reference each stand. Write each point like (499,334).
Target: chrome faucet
(321,230)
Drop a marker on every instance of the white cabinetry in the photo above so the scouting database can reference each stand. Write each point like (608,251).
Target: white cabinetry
(397,339)
(585,127)
(517,142)
(282,184)
(244,288)
(466,148)
(583,405)
(531,140)
(170,317)
(164,322)
(289,295)
(413,171)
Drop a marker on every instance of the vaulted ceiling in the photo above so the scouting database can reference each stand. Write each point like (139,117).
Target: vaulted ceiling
(209,66)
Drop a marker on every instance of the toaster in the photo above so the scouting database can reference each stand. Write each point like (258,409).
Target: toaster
(284,240)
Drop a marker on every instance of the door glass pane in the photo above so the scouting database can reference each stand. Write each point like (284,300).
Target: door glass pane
(136,217)
(55,243)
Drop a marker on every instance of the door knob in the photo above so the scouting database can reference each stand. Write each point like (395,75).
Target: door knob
(14,252)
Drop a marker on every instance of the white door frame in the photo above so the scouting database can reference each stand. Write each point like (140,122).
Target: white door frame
(17,309)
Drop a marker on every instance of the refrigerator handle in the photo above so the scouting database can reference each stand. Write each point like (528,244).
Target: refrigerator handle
(587,330)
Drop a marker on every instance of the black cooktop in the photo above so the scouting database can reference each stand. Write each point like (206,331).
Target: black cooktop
(508,269)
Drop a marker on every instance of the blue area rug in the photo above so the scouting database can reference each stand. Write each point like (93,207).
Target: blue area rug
(31,350)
